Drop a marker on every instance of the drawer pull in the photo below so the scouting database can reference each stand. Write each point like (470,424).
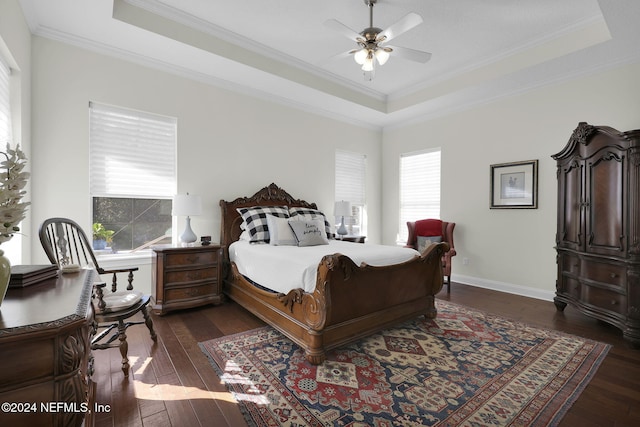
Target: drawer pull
(614,275)
(614,302)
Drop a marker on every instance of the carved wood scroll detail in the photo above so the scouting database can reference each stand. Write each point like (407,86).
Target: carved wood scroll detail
(293,297)
(582,133)
(314,307)
(268,193)
(341,262)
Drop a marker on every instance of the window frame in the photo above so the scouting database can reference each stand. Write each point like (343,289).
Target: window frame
(350,185)
(422,208)
(150,143)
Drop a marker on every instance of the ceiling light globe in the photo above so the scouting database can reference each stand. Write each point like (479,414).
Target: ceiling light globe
(368,65)
(382,56)
(361,56)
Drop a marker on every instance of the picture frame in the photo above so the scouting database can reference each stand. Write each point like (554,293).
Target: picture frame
(514,185)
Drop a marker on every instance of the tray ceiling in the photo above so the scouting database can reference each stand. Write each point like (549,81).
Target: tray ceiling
(280,49)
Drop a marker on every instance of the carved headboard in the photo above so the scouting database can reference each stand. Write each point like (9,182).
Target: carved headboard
(271,195)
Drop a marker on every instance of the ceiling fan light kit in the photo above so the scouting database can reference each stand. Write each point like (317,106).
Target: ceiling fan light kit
(370,49)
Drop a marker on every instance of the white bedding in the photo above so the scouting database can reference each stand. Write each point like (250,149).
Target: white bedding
(283,268)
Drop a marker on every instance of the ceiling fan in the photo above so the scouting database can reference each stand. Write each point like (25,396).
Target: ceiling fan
(372,41)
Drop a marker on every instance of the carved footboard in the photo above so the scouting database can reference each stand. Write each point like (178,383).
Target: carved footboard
(349,301)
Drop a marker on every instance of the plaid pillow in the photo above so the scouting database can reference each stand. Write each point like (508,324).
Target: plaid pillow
(308,213)
(255,220)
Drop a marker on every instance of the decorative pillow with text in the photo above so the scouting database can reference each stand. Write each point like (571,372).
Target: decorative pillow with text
(308,213)
(309,232)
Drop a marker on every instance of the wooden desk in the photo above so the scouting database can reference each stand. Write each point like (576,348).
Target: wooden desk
(45,334)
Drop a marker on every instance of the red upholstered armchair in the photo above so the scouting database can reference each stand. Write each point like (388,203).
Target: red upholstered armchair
(434,228)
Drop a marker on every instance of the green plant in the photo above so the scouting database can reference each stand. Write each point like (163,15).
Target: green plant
(101,233)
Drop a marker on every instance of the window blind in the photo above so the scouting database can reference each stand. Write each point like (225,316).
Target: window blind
(419,188)
(350,177)
(133,153)
(5,106)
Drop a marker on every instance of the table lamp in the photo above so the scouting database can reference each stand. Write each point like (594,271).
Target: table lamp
(187,205)
(342,209)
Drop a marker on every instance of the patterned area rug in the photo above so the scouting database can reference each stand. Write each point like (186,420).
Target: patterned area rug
(464,368)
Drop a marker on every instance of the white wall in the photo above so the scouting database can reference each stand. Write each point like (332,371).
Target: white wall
(232,144)
(229,144)
(508,249)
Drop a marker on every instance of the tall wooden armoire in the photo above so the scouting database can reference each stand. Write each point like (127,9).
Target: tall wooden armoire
(598,235)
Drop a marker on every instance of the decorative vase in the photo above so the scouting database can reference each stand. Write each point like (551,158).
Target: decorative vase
(5,275)
(99,244)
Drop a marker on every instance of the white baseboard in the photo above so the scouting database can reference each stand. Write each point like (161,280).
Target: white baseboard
(504,287)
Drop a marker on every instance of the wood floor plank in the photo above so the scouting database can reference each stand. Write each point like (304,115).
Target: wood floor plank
(174,384)
(202,330)
(179,409)
(183,327)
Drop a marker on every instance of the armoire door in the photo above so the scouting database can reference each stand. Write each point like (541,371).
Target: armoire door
(605,203)
(571,206)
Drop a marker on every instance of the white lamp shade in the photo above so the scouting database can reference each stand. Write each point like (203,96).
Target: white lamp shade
(382,56)
(186,205)
(368,63)
(360,56)
(342,208)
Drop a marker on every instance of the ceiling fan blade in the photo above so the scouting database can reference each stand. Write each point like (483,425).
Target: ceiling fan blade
(342,55)
(342,29)
(410,54)
(409,21)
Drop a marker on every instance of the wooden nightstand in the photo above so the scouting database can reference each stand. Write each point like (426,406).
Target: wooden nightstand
(355,239)
(186,277)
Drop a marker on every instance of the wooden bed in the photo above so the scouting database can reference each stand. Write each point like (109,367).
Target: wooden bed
(349,301)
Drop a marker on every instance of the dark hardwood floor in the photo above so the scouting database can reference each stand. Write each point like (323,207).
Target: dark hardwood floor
(172,382)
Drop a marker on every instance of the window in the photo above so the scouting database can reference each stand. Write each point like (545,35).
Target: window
(133,175)
(350,178)
(419,188)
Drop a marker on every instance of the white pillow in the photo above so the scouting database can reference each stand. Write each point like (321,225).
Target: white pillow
(309,232)
(280,233)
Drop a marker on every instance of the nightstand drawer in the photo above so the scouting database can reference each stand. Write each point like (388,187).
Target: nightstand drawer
(172,277)
(184,259)
(189,292)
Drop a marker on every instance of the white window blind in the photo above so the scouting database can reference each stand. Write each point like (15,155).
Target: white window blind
(5,106)
(350,177)
(419,188)
(133,153)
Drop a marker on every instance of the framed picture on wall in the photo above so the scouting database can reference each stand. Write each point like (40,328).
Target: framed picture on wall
(514,185)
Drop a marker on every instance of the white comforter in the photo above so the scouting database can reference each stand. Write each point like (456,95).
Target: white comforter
(283,268)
